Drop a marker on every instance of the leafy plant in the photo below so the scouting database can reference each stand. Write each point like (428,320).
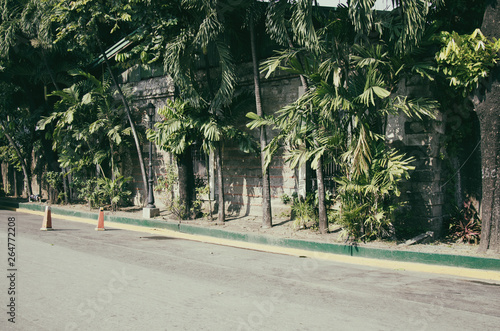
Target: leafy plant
(466,226)
(365,203)
(88,192)
(202,190)
(285,198)
(105,191)
(114,191)
(466,59)
(304,212)
(166,184)
(167,188)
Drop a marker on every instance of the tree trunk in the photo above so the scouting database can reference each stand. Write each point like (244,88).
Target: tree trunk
(323,219)
(111,149)
(220,184)
(26,173)
(186,179)
(131,122)
(490,164)
(267,220)
(489,119)
(65,185)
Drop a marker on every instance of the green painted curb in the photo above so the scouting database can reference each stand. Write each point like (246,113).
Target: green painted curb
(351,250)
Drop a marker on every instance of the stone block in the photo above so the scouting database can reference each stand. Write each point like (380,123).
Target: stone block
(417,140)
(150,212)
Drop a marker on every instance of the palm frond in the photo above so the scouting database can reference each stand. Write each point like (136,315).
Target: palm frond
(276,25)
(303,27)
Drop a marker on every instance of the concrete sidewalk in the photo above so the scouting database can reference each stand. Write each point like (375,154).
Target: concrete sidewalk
(457,265)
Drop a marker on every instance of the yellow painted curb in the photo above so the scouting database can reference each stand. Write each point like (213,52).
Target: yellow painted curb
(387,264)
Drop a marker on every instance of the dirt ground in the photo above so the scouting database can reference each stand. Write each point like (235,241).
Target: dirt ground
(283,228)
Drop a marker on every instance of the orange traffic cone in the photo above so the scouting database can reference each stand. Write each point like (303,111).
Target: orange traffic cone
(47,220)
(100,221)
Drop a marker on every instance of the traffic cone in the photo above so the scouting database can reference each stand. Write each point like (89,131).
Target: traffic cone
(47,220)
(100,221)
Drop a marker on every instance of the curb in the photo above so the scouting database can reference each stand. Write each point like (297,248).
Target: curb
(448,260)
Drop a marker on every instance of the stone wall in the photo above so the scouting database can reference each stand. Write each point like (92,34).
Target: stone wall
(421,140)
(145,86)
(242,174)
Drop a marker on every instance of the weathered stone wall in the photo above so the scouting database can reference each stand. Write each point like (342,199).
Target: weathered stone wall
(242,173)
(145,86)
(422,140)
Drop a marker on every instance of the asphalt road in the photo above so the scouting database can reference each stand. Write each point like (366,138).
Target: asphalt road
(76,278)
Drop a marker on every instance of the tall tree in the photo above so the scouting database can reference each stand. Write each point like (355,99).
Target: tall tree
(200,43)
(299,33)
(471,64)
(486,105)
(349,76)
(267,220)
(90,23)
(26,58)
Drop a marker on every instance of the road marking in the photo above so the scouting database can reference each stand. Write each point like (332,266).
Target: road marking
(386,264)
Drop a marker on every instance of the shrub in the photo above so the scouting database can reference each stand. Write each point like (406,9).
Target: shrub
(304,212)
(365,204)
(466,225)
(114,191)
(104,191)
(167,186)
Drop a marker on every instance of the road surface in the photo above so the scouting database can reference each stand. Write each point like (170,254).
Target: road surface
(76,278)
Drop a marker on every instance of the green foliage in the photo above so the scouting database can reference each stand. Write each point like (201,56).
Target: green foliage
(181,127)
(304,212)
(89,191)
(167,188)
(202,191)
(167,183)
(465,226)
(350,77)
(87,127)
(114,191)
(54,180)
(104,191)
(366,202)
(467,59)
(285,198)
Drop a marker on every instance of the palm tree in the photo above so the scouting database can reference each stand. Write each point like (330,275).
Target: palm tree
(199,43)
(267,220)
(299,30)
(176,134)
(349,87)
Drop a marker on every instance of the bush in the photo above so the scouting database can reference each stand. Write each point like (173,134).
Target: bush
(304,212)
(104,191)
(465,226)
(167,187)
(365,205)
